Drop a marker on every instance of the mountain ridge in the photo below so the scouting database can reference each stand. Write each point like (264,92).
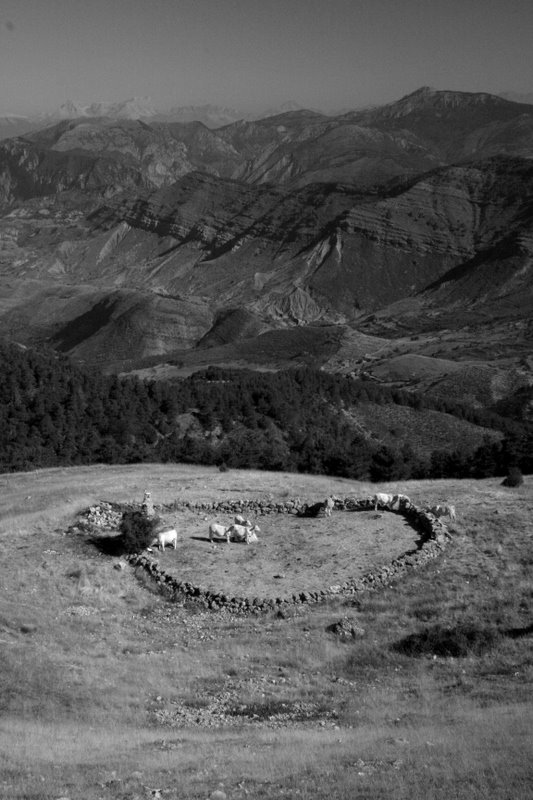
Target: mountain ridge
(175,241)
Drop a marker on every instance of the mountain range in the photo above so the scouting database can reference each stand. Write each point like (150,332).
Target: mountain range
(394,242)
(135,108)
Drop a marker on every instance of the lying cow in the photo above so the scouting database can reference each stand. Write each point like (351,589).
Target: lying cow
(219,533)
(242,533)
(443,511)
(168,536)
(238,519)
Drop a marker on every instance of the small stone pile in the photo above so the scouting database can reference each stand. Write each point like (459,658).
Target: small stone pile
(226,709)
(104,515)
(346,629)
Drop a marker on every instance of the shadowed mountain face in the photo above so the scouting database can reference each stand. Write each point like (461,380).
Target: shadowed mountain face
(128,244)
(457,125)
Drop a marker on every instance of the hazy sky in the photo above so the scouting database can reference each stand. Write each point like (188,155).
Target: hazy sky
(255,54)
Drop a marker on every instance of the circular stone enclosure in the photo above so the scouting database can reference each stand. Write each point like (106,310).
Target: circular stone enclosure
(294,554)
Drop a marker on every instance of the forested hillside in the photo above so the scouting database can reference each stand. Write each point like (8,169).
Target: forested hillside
(53,413)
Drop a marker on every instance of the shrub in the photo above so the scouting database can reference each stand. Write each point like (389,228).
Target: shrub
(136,531)
(513,478)
(464,640)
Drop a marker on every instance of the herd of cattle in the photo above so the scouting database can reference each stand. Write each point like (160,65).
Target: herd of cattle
(399,500)
(242,530)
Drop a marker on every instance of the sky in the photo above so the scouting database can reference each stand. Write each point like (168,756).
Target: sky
(252,55)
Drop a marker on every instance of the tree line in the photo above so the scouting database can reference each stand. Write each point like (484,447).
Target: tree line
(54,413)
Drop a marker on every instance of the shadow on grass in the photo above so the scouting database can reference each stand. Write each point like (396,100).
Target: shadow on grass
(465,639)
(518,633)
(311,511)
(110,545)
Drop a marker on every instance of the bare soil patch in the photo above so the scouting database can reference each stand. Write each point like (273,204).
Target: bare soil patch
(294,554)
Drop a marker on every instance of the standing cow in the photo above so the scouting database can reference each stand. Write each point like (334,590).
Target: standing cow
(443,511)
(219,533)
(381,499)
(168,536)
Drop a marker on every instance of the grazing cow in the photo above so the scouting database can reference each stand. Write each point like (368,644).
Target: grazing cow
(168,536)
(443,511)
(219,533)
(329,505)
(240,520)
(382,500)
(241,533)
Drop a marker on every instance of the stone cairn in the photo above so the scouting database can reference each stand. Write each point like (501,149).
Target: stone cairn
(433,538)
(147,505)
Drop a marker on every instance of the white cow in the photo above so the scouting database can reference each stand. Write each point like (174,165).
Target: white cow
(329,505)
(219,533)
(382,500)
(168,536)
(443,511)
(401,499)
(242,533)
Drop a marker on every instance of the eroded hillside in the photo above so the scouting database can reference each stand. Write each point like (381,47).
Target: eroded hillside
(133,245)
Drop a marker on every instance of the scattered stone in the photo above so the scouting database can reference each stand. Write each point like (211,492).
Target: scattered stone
(346,629)
(104,515)
(28,628)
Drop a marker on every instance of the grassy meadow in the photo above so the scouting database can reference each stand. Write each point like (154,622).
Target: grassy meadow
(108,690)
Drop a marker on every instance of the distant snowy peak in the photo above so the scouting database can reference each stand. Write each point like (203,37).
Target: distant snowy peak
(133,108)
(212,116)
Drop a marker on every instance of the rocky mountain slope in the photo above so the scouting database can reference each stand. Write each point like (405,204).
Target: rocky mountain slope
(363,148)
(405,229)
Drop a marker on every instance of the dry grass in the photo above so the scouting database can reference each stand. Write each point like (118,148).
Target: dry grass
(93,661)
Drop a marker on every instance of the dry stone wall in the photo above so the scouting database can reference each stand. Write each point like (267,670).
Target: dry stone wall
(433,538)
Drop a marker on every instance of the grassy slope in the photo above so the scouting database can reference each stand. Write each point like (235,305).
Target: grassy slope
(424,430)
(92,659)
